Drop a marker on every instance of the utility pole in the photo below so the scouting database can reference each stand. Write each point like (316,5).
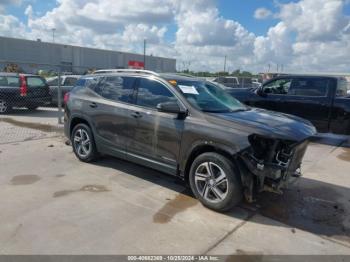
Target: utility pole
(53,34)
(144,53)
(225,64)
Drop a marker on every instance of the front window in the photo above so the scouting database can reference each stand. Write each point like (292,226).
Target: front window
(151,93)
(278,87)
(209,97)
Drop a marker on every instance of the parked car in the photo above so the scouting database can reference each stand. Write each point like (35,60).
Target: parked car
(228,81)
(67,84)
(22,90)
(323,100)
(189,128)
(256,82)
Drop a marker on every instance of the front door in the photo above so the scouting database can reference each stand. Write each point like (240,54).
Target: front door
(155,136)
(274,93)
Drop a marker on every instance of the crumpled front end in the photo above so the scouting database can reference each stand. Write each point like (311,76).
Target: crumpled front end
(270,164)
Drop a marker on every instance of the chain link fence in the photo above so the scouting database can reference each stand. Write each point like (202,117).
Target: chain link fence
(31,98)
(28,86)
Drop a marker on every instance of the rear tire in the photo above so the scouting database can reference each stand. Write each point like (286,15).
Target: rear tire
(83,143)
(215,182)
(4,106)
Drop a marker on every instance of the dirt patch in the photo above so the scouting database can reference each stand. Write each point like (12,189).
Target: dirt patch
(177,205)
(37,126)
(88,188)
(314,209)
(63,193)
(24,180)
(345,155)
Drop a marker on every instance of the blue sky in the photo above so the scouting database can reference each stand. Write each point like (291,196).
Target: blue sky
(311,35)
(241,11)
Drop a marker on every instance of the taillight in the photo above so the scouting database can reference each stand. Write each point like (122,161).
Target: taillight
(23,88)
(66,98)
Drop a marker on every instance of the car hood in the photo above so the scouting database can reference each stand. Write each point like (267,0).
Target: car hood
(270,124)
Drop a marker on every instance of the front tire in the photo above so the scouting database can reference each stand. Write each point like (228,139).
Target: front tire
(215,182)
(83,143)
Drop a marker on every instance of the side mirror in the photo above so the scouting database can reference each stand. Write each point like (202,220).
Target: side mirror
(172,107)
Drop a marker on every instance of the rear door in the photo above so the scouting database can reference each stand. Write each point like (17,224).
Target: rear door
(68,84)
(110,112)
(37,87)
(155,136)
(309,98)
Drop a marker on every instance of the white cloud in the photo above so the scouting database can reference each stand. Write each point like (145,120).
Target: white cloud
(310,35)
(11,26)
(321,20)
(262,13)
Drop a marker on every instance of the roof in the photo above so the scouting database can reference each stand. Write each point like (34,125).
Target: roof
(307,76)
(15,74)
(166,76)
(174,76)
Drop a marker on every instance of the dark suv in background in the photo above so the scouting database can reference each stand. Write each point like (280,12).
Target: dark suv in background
(22,90)
(189,128)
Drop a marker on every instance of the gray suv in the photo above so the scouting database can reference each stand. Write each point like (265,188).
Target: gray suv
(189,128)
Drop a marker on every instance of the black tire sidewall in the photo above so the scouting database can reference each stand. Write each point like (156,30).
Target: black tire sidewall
(93,153)
(234,195)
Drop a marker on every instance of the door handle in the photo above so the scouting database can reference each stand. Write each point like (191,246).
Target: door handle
(93,105)
(136,115)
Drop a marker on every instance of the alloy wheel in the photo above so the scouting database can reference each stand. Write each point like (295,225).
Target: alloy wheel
(211,182)
(82,143)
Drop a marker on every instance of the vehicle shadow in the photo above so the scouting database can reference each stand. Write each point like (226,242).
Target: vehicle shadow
(309,205)
(332,140)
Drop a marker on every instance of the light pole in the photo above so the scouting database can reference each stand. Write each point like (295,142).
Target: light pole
(225,64)
(144,53)
(53,34)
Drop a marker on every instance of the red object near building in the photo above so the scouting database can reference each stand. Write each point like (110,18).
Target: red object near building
(136,65)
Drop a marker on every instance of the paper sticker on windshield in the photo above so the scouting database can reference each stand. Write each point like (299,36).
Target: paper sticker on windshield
(188,90)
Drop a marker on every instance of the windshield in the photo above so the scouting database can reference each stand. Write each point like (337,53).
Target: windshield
(209,97)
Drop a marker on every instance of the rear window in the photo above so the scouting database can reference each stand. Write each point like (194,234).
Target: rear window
(309,87)
(12,81)
(35,81)
(70,81)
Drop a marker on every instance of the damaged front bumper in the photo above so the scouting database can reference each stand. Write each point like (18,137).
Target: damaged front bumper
(270,166)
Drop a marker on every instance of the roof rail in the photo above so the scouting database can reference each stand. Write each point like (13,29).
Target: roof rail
(137,71)
(184,74)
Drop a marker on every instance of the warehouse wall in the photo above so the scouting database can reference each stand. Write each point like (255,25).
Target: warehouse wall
(72,57)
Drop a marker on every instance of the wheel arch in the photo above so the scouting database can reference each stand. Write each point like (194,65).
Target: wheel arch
(202,148)
(77,119)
